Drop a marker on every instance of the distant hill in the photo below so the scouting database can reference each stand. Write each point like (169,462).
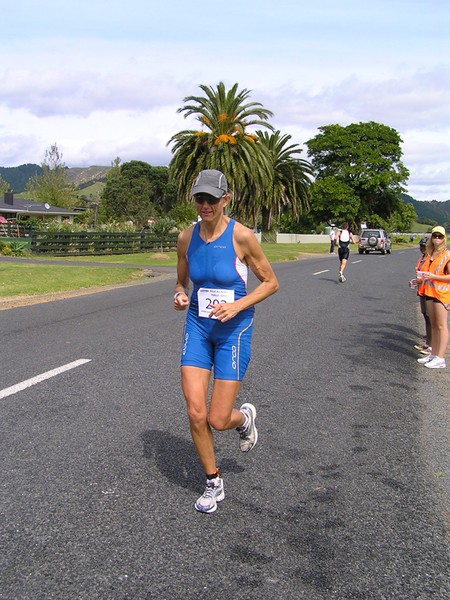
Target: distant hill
(434,210)
(18,177)
(84,176)
(81,177)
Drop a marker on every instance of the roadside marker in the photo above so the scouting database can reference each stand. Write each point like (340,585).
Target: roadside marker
(29,382)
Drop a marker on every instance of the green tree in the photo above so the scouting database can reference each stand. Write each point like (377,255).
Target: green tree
(334,202)
(53,186)
(163,193)
(223,143)
(128,193)
(183,214)
(367,158)
(162,227)
(288,188)
(4,186)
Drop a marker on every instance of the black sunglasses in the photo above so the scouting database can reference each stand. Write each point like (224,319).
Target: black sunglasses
(439,236)
(211,200)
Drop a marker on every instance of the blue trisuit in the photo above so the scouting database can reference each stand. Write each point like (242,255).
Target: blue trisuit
(218,276)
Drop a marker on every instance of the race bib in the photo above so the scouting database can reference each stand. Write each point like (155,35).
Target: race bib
(209,298)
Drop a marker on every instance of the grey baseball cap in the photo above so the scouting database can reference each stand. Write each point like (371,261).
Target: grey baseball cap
(210,182)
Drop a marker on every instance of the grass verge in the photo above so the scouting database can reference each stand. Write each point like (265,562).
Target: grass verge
(30,279)
(18,279)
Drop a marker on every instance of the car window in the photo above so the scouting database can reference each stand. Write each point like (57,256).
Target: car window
(369,232)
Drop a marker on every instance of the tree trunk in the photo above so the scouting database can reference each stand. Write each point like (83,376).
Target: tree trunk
(266,219)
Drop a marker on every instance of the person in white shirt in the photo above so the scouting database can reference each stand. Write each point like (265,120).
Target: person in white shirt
(333,239)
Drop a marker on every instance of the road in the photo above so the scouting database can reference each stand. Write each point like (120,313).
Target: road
(345,495)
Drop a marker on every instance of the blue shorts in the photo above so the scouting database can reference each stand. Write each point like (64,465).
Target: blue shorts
(226,346)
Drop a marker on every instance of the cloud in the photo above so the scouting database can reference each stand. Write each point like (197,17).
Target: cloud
(110,85)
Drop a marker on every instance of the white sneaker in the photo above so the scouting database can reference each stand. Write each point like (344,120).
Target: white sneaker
(213,494)
(249,437)
(436,363)
(425,359)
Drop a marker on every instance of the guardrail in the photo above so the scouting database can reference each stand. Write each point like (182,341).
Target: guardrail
(61,243)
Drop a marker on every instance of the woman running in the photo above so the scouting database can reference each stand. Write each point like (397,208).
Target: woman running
(215,254)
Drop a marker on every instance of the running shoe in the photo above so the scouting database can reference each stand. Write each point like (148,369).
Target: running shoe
(340,277)
(436,363)
(249,436)
(213,494)
(343,279)
(425,359)
(420,346)
(428,350)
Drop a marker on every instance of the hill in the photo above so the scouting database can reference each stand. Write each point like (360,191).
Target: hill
(433,210)
(18,177)
(81,177)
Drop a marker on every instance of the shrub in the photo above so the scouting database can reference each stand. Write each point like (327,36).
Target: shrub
(17,247)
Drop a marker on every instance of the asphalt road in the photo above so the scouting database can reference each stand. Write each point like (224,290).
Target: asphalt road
(345,496)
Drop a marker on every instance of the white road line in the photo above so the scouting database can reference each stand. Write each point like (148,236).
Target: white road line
(29,382)
(356,262)
(320,272)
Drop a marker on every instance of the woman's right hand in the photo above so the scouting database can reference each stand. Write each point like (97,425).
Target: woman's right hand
(181,301)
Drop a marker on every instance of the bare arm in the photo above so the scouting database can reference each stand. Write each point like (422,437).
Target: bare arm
(249,251)
(181,299)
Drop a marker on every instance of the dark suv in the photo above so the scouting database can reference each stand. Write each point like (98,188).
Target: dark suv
(374,240)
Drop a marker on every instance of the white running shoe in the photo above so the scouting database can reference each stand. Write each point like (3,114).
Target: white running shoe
(249,436)
(425,359)
(436,363)
(213,494)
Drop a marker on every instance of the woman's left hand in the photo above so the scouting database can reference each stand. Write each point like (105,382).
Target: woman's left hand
(225,311)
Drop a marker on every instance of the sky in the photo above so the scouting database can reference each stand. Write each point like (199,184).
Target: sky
(104,79)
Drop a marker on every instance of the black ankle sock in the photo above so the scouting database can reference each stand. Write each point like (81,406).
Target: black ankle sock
(214,475)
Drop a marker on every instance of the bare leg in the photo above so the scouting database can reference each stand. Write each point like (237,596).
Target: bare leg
(439,327)
(194,382)
(222,415)
(343,265)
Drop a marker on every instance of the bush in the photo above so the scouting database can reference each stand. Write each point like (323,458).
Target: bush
(18,248)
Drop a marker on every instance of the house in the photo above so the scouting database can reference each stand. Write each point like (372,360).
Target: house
(15,210)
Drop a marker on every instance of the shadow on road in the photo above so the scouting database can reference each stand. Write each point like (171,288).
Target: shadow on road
(176,459)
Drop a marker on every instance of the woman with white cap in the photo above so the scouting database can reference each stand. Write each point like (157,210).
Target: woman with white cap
(215,254)
(435,287)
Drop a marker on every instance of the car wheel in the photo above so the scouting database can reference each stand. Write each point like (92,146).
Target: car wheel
(367,251)
(360,251)
(383,251)
(388,251)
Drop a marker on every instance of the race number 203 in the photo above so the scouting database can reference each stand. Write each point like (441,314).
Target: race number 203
(208,298)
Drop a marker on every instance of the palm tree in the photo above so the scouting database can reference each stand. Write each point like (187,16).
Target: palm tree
(223,142)
(289,188)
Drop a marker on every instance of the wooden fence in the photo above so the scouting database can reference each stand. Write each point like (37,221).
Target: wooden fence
(11,230)
(61,243)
